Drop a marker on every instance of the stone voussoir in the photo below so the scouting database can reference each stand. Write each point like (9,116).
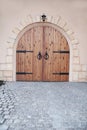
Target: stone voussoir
(75,52)
(76,60)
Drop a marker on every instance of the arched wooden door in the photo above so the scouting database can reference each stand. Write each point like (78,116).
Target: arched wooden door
(42,55)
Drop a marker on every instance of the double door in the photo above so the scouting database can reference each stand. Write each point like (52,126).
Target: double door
(42,55)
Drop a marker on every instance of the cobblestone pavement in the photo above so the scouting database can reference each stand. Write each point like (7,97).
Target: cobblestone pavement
(43,106)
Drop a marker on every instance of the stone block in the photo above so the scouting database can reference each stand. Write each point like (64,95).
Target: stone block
(86,76)
(51,19)
(69,32)
(21,26)
(82,75)
(4,78)
(2,66)
(84,67)
(9,59)
(54,20)
(76,60)
(61,23)
(9,66)
(37,18)
(75,52)
(26,22)
(75,46)
(10,44)
(75,41)
(8,73)
(71,36)
(48,18)
(16,30)
(31,19)
(75,76)
(66,28)
(82,80)
(76,67)
(1,73)
(10,52)
(11,40)
(9,79)
(58,20)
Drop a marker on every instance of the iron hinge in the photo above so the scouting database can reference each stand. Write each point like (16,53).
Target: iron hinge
(61,73)
(23,51)
(61,51)
(23,73)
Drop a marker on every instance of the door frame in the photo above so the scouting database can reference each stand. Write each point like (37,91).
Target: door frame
(43,24)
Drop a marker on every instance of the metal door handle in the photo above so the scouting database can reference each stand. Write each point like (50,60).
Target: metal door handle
(39,56)
(46,56)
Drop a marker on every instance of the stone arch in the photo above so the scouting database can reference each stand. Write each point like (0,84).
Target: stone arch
(75,66)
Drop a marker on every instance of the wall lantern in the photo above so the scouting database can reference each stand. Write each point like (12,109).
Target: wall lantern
(43,17)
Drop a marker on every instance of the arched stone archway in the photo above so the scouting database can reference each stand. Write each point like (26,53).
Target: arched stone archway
(77,70)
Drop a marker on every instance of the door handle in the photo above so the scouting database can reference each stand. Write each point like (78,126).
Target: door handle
(39,56)
(46,56)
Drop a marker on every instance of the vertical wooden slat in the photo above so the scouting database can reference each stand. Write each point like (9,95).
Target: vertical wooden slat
(48,45)
(56,56)
(37,47)
(64,59)
(20,59)
(29,55)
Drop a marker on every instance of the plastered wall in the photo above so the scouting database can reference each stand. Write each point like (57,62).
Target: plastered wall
(16,14)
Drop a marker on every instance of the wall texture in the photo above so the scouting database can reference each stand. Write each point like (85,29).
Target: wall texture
(16,14)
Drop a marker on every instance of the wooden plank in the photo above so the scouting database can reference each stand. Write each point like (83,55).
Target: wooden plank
(20,66)
(17,65)
(20,59)
(48,45)
(63,66)
(64,43)
(67,66)
(28,55)
(37,47)
(64,59)
(56,57)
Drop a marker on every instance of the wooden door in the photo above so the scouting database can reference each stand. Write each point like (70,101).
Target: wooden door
(52,64)
(29,66)
(42,55)
(56,67)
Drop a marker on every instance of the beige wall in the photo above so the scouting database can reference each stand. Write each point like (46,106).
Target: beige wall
(74,12)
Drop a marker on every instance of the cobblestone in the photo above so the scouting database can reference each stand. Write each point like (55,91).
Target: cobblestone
(3,127)
(43,106)
(6,107)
